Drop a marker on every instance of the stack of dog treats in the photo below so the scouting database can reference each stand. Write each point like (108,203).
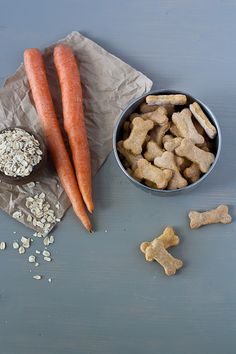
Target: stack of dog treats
(167,143)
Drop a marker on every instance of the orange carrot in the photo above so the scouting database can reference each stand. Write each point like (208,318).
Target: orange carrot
(74,122)
(36,74)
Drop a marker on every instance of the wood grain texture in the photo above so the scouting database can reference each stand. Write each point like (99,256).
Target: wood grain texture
(105,299)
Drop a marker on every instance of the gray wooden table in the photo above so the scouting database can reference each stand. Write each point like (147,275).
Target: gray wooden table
(104,297)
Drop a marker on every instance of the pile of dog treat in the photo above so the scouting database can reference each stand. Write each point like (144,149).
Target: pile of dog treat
(168,144)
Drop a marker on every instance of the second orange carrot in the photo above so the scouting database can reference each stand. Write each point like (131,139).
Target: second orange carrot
(74,121)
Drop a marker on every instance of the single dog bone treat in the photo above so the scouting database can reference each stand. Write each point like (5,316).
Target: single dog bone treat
(130,158)
(138,135)
(167,160)
(172,144)
(153,150)
(126,130)
(166,99)
(174,130)
(158,132)
(153,174)
(185,126)
(156,250)
(159,116)
(192,173)
(203,158)
(203,120)
(214,216)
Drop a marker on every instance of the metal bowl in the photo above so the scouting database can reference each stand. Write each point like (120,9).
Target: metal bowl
(118,130)
(37,169)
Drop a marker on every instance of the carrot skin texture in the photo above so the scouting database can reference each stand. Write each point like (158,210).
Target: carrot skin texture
(74,121)
(37,78)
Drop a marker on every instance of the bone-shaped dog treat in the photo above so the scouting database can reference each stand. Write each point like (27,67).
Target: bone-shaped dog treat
(203,120)
(185,126)
(203,158)
(167,160)
(138,135)
(172,144)
(130,158)
(192,173)
(214,216)
(166,99)
(156,250)
(158,132)
(145,170)
(159,116)
(174,130)
(153,150)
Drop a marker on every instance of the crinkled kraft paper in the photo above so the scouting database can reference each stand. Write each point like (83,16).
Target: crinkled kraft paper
(108,85)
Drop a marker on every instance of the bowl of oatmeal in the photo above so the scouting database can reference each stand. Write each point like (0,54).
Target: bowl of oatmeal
(22,155)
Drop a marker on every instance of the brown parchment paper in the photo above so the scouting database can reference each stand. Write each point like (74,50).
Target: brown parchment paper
(108,85)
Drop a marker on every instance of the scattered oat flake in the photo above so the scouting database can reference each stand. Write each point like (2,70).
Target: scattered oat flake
(37,277)
(46,241)
(57,205)
(17,214)
(31,184)
(21,250)
(47,259)
(15,245)
(2,245)
(51,239)
(25,242)
(36,264)
(37,251)
(49,280)
(29,218)
(32,259)
(46,253)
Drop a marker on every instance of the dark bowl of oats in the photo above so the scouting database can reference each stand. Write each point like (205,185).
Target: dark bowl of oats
(23,155)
